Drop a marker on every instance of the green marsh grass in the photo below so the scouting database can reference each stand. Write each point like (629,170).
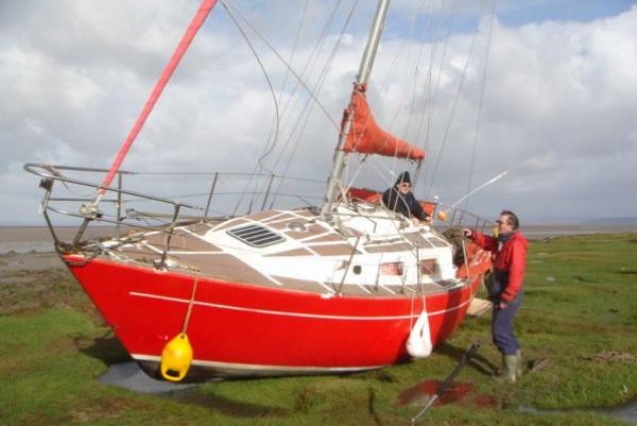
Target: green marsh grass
(579,318)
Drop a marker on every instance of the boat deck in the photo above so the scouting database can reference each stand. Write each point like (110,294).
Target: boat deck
(213,250)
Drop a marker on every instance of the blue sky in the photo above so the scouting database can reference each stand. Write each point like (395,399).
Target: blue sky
(557,109)
(516,13)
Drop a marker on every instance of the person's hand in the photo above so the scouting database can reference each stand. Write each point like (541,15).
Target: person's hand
(428,219)
(502,305)
(467,232)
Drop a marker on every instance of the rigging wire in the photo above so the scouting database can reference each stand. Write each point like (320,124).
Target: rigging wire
(390,170)
(456,99)
(270,145)
(306,108)
(428,93)
(414,92)
(300,81)
(302,123)
(323,76)
(267,78)
(480,104)
(297,37)
(427,90)
(298,78)
(420,90)
(434,87)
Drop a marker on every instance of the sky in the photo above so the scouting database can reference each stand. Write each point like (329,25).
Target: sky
(550,99)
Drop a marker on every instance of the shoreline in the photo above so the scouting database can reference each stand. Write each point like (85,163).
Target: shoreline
(38,239)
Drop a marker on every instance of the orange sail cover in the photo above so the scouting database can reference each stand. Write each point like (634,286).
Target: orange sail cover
(366,137)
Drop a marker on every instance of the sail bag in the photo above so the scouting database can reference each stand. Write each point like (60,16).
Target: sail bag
(366,137)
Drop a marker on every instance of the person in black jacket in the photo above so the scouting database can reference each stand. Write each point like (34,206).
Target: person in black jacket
(400,199)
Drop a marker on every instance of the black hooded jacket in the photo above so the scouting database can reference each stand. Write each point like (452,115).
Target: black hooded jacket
(405,204)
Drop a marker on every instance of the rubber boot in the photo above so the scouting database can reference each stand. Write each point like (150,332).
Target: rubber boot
(520,368)
(511,370)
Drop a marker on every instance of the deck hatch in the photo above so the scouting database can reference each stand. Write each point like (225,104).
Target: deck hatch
(256,235)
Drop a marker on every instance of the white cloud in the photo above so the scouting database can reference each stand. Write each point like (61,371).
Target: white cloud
(557,110)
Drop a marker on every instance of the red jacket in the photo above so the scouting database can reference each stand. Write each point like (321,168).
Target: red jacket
(510,258)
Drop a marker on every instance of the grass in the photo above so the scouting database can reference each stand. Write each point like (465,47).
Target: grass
(579,315)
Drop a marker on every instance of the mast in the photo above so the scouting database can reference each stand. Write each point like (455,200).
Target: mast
(367,62)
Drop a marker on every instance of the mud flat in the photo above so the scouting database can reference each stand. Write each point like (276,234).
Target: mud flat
(26,239)
(32,261)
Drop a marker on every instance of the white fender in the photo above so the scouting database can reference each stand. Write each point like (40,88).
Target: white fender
(419,343)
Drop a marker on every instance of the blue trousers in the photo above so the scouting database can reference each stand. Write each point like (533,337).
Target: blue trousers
(502,327)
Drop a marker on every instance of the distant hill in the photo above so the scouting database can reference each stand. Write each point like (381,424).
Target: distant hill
(574,221)
(612,221)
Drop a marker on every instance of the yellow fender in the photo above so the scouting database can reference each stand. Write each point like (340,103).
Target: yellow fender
(176,358)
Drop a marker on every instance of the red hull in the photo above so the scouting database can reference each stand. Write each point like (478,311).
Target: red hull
(240,329)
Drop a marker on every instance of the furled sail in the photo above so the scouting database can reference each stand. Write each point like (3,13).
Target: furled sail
(366,137)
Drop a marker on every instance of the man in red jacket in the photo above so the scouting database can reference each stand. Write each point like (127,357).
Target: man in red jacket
(505,287)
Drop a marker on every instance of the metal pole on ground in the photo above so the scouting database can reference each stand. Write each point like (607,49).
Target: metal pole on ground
(441,389)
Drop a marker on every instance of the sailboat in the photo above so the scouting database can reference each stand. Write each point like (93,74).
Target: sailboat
(343,287)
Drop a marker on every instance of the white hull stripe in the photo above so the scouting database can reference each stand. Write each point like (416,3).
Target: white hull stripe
(298,314)
(256,367)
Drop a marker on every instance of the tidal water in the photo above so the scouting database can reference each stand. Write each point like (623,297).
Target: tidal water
(627,412)
(129,376)
(463,393)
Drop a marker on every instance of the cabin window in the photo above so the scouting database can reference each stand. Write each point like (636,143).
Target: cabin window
(428,266)
(392,268)
(256,235)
